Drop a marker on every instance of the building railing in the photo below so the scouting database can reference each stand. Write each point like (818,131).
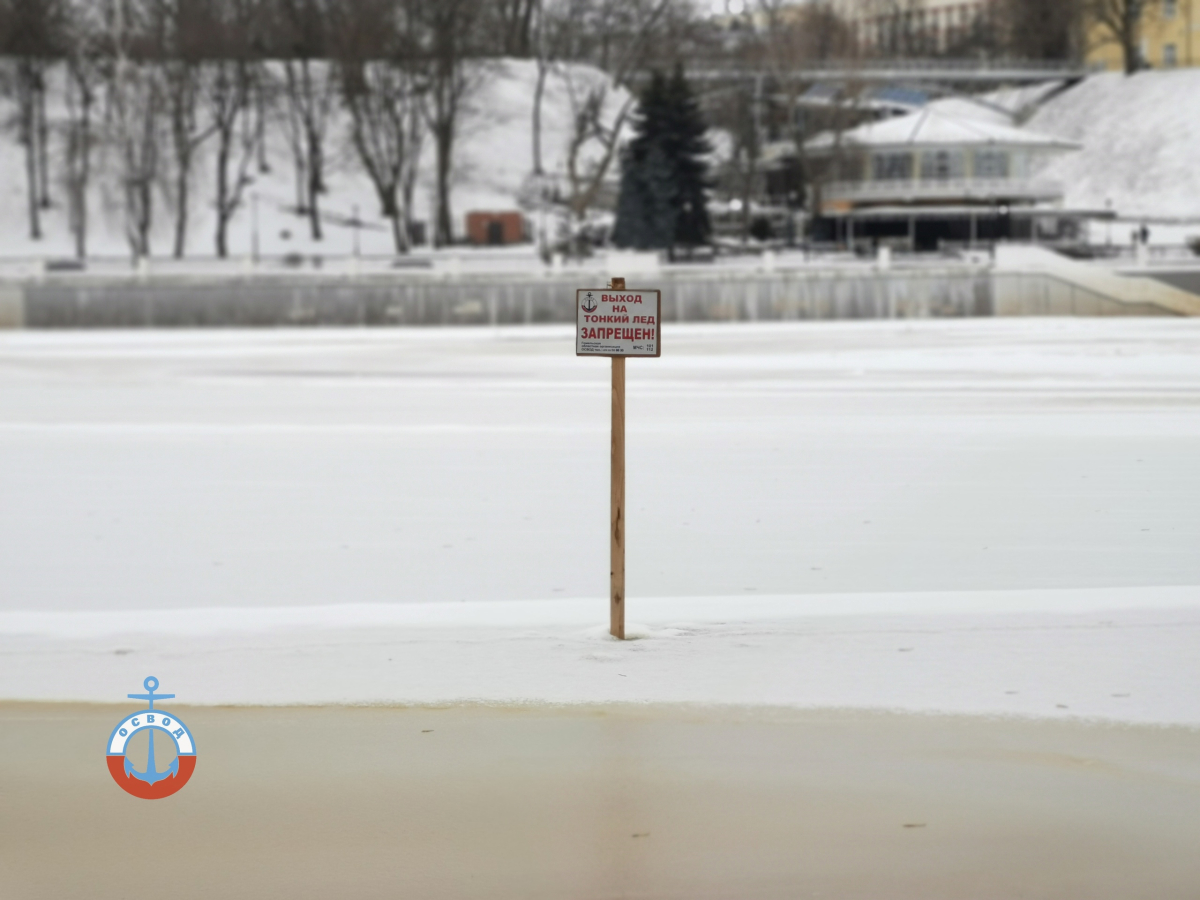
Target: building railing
(948,190)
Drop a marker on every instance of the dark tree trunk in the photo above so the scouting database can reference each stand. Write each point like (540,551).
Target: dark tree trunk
(1132,54)
(84,176)
(260,123)
(445,155)
(222,194)
(27,114)
(181,210)
(398,234)
(315,187)
(31,178)
(79,153)
(409,188)
(538,90)
(43,136)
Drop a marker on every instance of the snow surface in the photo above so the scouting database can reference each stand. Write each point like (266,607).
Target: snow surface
(493,156)
(954,123)
(1141,143)
(982,516)
(1119,654)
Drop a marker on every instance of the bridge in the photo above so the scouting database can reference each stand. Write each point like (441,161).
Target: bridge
(956,71)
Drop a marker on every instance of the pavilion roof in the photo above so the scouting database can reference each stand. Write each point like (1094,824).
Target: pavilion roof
(930,127)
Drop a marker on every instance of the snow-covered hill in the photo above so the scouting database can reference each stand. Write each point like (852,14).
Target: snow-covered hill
(493,156)
(1140,137)
(1141,143)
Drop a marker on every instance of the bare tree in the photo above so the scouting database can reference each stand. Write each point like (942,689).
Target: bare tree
(30,86)
(187,28)
(450,34)
(1034,29)
(230,91)
(136,99)
(265,95)
(311,92)
(515,19)
(138,104)
(32,36)
(84,74)
(740,116)
(537,190)
(793,39)
(383,93)
(310,97)
(623,31)
(1120,22)
(542,54)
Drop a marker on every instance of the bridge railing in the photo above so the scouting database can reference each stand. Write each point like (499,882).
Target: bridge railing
(971,69)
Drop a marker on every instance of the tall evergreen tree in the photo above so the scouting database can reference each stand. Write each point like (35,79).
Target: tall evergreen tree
(630,229)
(664,176)
(687,148)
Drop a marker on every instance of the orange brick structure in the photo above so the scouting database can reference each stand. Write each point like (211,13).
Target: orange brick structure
(495,228)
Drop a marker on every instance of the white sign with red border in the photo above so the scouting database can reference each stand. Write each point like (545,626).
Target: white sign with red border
(618,322)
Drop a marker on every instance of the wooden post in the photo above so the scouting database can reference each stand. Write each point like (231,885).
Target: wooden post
(616,530)
(617,512)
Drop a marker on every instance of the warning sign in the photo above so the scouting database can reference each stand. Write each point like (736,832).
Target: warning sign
(618,322)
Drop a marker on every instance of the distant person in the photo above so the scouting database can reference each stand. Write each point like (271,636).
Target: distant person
(1144,234)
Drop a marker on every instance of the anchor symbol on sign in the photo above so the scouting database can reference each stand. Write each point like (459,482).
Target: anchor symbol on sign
(152,775)
(589,303)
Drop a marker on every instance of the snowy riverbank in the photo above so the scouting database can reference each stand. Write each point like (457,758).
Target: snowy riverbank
(973,516)
(1124,655)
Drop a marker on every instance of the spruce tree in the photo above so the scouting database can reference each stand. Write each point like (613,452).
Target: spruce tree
(664,176)
(630,229)
(687,148)
(661,197)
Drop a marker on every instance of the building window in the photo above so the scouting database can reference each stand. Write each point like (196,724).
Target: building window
(893,166)
(1170,8)
(991,164)
(942,165)
(1170,56)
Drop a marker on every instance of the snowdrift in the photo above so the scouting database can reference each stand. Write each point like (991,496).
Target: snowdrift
(1141,143)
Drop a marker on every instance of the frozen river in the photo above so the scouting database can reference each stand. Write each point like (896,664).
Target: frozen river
(940,468)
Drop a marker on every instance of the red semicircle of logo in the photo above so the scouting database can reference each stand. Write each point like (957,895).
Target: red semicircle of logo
(156,791)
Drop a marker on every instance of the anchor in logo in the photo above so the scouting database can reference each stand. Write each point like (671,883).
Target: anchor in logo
(150,783)
(151,775)
(589,303)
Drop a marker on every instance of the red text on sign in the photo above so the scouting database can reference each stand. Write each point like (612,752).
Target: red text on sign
(617,334)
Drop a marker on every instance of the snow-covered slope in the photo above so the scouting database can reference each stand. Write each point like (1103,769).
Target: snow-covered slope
(493,156)
(1140,138)
(1141,142)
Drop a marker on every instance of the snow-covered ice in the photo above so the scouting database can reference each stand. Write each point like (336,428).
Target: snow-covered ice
(980,516)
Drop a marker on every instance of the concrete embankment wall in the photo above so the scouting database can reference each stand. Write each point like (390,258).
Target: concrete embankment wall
(1044,294)
(694,295)
(1035,281)
(705,297)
